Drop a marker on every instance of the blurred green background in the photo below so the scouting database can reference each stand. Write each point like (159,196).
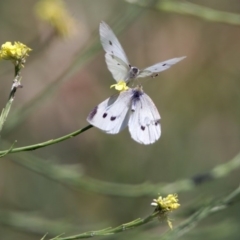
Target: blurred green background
(65,77)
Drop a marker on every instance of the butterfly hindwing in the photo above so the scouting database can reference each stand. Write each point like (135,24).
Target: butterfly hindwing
(117,67)
(144,123)
(112,115)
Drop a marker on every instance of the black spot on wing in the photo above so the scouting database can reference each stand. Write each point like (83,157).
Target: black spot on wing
(93,113)
(164,64)
(104,115)
(110,43)
(157,122)
(155,75)
(112,118)
(143,128)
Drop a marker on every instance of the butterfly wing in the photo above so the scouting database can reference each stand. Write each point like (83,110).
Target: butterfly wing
(112,115)
(159,67)
(110,42)
(144,125)
(117,67)
(115,56)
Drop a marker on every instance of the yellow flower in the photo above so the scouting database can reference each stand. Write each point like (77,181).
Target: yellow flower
(120,86)
(15,52)
(55,13)
(166,205)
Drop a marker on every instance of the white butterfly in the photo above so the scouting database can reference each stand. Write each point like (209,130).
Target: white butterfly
(117,60)
(132,108)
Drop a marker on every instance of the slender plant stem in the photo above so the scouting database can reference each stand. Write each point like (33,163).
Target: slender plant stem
(5,113)
(47,143)
(72,177)
(16,84)
(109,231)
(187,8)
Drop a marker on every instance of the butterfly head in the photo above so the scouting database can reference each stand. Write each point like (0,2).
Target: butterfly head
(134,71)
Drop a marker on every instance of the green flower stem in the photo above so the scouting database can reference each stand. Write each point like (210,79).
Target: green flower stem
(187,8)
(110,231)
(33,223)
(5,112)
(72,177)
(47,143)
(15,85)
(195,10)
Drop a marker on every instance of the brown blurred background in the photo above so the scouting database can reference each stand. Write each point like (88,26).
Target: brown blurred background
(198,100)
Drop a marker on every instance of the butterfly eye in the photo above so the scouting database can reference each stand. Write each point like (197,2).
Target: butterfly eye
(135,70)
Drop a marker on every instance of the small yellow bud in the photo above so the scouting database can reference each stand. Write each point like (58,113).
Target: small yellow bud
(120,86)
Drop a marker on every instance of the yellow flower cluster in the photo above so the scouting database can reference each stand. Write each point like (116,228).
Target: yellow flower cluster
(120,86)
(55,13)
(15,52)
(165,205)
(168,203)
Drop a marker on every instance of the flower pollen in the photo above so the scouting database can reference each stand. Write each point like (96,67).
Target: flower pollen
(120,86)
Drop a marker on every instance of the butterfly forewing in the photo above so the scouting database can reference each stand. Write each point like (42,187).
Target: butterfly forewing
(144,125)
(159,67)
(110,42)
(112,114)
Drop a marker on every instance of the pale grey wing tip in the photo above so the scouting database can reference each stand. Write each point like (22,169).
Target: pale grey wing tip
(181,58)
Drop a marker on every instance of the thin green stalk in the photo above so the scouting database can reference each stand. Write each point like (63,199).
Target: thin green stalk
(5,113)
(16,84)
(109,231)
(66,175)
(187,8)
(33,223)
(47,143)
